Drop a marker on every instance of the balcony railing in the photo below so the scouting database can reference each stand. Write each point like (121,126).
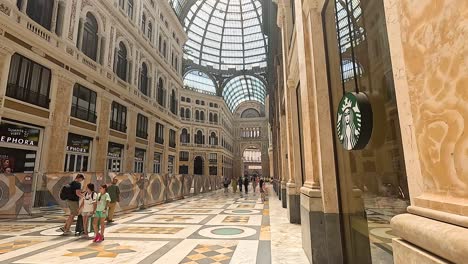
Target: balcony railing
(83,114)
(28,96)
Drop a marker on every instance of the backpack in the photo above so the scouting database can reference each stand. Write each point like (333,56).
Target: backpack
(66,192)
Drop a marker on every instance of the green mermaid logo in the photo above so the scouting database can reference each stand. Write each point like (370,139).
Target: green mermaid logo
(349,122)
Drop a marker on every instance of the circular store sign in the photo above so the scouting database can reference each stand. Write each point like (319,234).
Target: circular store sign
(354,121)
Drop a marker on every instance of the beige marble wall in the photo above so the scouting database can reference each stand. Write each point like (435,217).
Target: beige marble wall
(428,44)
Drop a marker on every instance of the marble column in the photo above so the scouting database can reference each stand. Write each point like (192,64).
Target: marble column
(103,133)
(294,156)
(131,139)
(431,96)
(53,24)
(56,146)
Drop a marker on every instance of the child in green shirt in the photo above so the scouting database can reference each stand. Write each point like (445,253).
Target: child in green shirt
(103,200)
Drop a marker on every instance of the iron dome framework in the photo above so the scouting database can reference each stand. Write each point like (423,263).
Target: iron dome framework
(227,45)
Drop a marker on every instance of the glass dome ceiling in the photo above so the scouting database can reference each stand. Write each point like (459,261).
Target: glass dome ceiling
(225,34)
(199,80)
(243,88)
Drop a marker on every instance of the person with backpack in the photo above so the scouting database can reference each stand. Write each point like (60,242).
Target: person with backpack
(72,194)
(226,184)
(103,200)
(88,207)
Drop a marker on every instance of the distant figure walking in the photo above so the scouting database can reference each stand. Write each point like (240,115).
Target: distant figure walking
(246,184)
(234,185)
(240,182)
(114,193)
(226,184)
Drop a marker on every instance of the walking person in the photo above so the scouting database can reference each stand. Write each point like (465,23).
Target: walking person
(246,184)
(254,183)
(234,185)
(88,207)
(114,193)
(240,182)
(103,201)
(226,184)
(73,195)
(262,189)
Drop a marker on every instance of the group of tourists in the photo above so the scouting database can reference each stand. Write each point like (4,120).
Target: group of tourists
(243,184)
(93,209)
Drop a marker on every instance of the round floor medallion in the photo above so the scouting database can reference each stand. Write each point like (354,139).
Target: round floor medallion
(227,232)
(242,211)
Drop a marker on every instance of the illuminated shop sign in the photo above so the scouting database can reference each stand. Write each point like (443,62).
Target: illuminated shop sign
(77,143)
(15,134)
(114,150)
(354,121)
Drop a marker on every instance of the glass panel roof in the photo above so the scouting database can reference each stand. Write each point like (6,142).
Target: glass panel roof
(243,88)
(225,34)
(200,81)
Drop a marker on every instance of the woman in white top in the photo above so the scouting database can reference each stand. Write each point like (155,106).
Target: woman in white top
(88,207)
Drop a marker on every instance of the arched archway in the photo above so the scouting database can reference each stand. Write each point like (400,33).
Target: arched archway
(198,165)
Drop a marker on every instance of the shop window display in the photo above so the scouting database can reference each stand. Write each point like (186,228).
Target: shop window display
(372,181)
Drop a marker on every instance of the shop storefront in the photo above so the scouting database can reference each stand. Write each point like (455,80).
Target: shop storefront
(78,153)
(369,155)
(19,148)
(139,165)
(114,157)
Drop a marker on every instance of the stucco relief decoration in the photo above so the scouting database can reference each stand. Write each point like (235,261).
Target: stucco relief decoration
(72,20)
(5,9)
(435,50)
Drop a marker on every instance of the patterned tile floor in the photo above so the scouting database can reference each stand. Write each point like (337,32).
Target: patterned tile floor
(209,228)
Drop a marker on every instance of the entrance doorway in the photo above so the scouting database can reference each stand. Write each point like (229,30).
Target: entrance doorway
(252,162)
(198,166)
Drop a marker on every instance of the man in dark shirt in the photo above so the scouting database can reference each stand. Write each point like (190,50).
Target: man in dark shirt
(73,202)
(114,193)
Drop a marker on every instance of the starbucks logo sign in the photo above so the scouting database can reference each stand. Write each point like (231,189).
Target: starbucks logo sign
(354,121)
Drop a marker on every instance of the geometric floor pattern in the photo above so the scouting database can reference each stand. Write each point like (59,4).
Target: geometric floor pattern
(211,228)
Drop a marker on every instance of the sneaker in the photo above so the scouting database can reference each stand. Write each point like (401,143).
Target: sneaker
(66,233)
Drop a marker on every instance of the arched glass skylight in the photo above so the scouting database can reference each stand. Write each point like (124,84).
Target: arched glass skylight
(243,88)
(226,34)
(200,81)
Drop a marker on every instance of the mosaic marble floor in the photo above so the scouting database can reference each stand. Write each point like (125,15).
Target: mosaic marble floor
(209,228)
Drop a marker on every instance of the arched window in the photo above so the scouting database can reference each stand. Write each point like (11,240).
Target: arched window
(199,139)
(122,4)
(202,116)
(215,118)
(211,117)
(213,139)
(130,8)
(173,102)
(197,115)
(160,43)
(121,66)
(41,12)
(187,113)
(165,49)
(182,112)
(143,23)
(144,79)
(161,92)
(149,34)
(89,44)
(184,136)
